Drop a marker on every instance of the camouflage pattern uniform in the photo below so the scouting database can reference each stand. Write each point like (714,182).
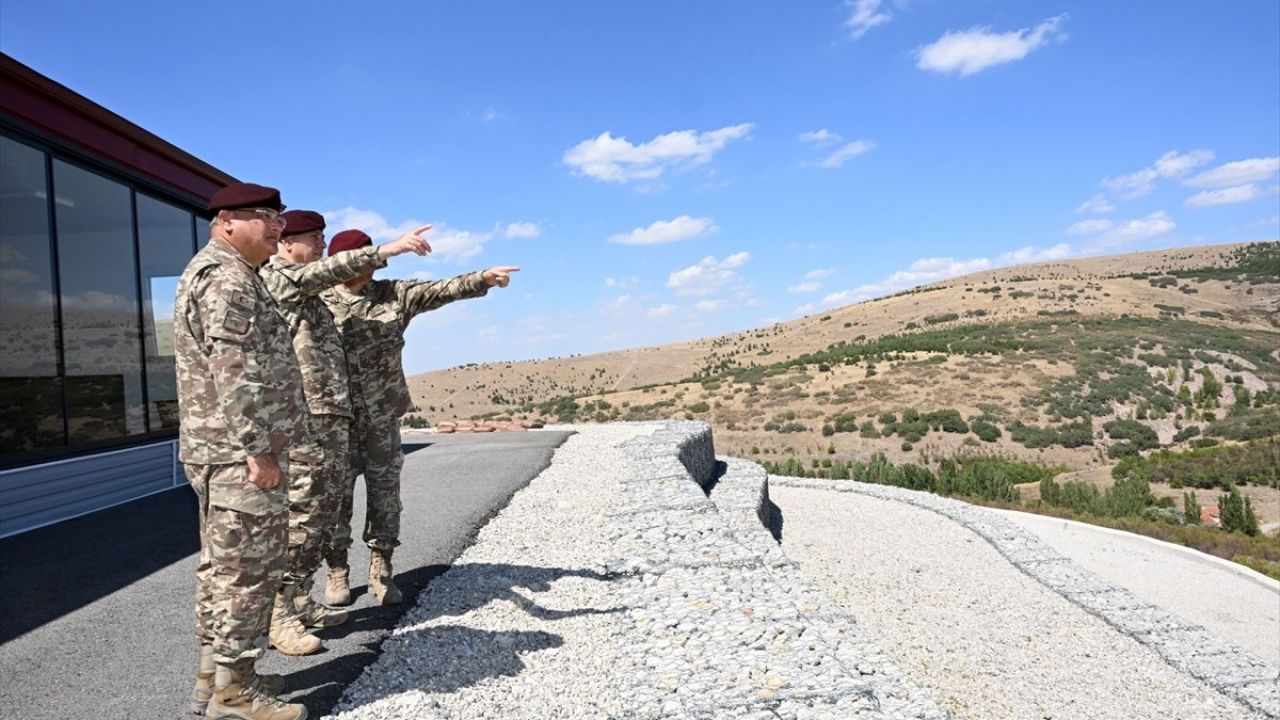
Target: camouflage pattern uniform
(372,322)
(239,394)
(318,468)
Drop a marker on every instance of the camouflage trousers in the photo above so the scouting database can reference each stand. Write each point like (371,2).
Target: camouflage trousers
(243,536)
(316,472)
(378,443)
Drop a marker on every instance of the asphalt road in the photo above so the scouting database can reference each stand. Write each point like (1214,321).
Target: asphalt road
(96,613)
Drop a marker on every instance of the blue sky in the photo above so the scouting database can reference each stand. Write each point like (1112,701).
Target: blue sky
(670,170)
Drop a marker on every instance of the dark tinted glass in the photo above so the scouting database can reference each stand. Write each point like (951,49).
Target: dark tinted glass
(30,390)
(102,342)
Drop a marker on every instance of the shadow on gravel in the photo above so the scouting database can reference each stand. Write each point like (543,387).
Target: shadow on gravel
(774,524)
(50,572)
(716,474)
(454,656)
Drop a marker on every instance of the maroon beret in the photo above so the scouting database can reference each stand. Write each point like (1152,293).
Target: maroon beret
(297,222)
(348,240)
(245,195)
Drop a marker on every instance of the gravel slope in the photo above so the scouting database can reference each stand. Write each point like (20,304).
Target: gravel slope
(985,639)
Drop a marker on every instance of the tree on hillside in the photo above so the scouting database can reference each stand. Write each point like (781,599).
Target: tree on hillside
(1250,519)
(1231,511)
(1190,508)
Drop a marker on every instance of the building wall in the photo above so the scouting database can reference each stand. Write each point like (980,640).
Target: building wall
(33,496)
(98,218)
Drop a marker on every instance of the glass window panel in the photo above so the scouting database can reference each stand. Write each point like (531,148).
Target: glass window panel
(101,337)
(164,241)
(30,389)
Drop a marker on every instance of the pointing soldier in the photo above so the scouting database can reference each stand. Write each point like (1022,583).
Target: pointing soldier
(241,406)
(372,316)
(295,276)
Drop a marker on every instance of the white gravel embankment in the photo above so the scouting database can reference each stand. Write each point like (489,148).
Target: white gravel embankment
(1228,599)
(522,626)
(613,587)
(985,639)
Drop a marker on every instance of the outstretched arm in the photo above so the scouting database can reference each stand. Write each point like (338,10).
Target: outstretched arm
(308,280)
(416,298)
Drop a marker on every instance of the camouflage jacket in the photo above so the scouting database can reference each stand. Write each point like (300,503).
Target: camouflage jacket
(372,322)
(239,388)
(296,288)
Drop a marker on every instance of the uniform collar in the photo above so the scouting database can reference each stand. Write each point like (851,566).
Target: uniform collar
(224,250)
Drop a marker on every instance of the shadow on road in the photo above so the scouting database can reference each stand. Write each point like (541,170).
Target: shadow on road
(480,654)
(59,569)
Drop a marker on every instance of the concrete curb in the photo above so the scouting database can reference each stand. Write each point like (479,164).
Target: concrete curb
(1184,645)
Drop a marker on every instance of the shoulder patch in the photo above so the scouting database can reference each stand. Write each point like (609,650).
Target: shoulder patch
(242,299)
(236,321)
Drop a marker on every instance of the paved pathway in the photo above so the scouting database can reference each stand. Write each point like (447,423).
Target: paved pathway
(96,613)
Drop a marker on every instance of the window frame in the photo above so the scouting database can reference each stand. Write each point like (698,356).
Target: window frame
(134,183)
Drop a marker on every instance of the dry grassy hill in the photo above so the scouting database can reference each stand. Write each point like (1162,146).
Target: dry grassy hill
(1039,358)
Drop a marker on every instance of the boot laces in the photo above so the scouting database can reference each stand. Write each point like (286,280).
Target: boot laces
(260,695)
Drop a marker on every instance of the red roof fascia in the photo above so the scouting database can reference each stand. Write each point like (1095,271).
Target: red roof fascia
(45,105)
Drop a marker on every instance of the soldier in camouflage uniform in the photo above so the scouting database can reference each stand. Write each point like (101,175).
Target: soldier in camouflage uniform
(241,406)
(295,276)
(372,316)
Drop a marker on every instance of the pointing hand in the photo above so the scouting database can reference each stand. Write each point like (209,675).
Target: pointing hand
(499,276)
(408,242)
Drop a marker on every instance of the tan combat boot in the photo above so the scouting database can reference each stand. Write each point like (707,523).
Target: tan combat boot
(336,588)
(205,671)
(313,614)
(239,694)
(287,633)
(382,584)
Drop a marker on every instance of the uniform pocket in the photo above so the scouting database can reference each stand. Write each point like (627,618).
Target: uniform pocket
(229,488)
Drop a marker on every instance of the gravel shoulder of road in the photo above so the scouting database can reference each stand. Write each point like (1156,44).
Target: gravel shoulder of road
(612,586)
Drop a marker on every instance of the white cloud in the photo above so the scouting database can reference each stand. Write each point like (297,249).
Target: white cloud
(17,276)
(665,231)
(820,138)
(1225,196)
(1032,254)
(844,153)
(490,114)
(1133,185)
(1090,227)
(708,276)
(930,270)
(522,230)
(1097,204)
(625,282)
(446,243)
(969,51)
(820,273)
(709,305)
(864,15)
(1240,172)
(1157,223)
(805,287)
(611,159)
(1173,165)
(618,303)
(663,310)
(1170,165)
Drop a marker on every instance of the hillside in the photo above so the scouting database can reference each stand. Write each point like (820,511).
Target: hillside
(1069,363)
